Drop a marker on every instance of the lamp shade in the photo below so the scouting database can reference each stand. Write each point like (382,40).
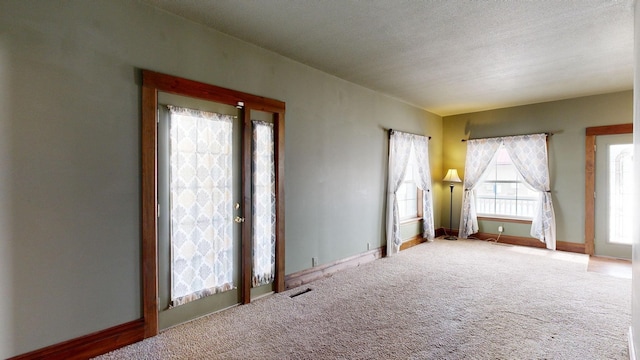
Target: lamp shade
(452,176)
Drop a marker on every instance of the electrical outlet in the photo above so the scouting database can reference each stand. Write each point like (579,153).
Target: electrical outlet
(500,229)
(314,261)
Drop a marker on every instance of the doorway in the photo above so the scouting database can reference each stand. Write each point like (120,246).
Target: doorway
(613,189)
(199,183)
(229,200)
(606,182)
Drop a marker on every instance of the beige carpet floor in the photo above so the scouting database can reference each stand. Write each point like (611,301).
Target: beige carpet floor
(461,299)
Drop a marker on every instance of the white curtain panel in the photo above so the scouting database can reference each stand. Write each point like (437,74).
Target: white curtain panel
(263,204)
(399,151)
(529,155)
(421,151)
(480,152)
(201,204)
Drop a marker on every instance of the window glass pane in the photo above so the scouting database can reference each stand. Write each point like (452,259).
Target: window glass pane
(506,172)
(490,173)
(408,206)
(408,176)
(412,190)
(402,207)
(401,194)
(525,192)
(485,190)
(485,204)
(412,206)
(506,190)
(620,190)
(505,206)
(503,192)
(407,194)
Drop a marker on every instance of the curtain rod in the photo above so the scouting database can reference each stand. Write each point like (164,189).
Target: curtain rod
(391,130)
(496,137)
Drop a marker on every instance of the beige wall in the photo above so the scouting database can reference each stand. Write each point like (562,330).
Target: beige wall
(567,119)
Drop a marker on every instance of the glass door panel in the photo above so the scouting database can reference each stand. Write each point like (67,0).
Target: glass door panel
(263,203)
(614,185)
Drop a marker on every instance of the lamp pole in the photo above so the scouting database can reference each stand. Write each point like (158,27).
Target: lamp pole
(452,177)
(451,237)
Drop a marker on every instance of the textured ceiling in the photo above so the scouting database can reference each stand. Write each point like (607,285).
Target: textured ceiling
(448,57)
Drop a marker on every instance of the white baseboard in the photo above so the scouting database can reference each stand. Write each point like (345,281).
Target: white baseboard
(632,350)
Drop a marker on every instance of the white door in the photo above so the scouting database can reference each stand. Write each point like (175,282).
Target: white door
(199,185)
(614,186)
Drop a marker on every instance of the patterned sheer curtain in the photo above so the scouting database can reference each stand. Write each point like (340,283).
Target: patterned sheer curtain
(399,151)
(480,152)
(421,151)
(529,155)
(263,204)
(201,205)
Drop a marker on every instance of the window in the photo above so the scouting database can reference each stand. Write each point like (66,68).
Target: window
(502,192)
(409,196)
(620,190)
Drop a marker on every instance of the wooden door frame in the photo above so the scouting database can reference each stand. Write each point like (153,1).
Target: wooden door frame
(152,83)
(590,178)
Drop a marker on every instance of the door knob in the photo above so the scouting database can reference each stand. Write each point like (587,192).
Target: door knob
(238,219)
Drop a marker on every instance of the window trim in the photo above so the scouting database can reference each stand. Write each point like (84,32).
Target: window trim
(505,219)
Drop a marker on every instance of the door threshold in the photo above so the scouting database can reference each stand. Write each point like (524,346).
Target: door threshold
(620,268)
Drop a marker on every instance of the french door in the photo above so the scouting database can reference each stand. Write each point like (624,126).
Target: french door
(212,199)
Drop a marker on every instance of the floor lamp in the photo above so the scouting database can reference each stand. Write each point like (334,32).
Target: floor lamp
(452,177)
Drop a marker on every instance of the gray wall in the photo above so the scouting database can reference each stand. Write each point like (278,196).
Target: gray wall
(69,156)
(567,119)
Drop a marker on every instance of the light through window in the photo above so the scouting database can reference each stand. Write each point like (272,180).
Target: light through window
(408,192)
(502,192)
(201,210)
(620,191)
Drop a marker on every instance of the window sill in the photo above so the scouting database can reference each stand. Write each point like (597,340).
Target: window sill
(505,219)
(411,220)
